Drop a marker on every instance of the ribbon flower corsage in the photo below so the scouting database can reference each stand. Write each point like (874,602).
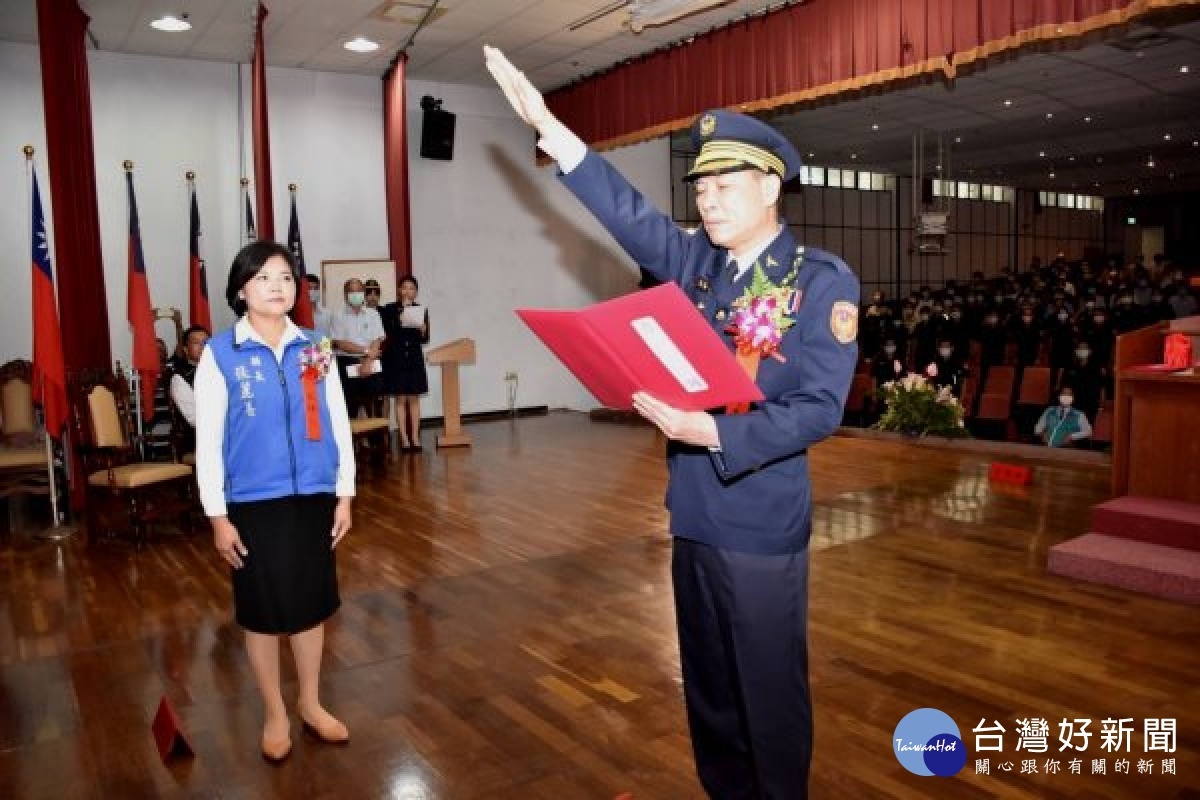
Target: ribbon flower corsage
(315,362)
(760,318)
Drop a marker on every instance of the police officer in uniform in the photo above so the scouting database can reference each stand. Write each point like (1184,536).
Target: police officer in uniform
(739,491)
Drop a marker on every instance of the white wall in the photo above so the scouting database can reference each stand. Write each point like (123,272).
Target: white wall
(327,138)
(491,231)
(167,117)
(21,123)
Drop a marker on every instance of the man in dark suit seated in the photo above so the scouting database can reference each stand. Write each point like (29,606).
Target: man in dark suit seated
(183,400)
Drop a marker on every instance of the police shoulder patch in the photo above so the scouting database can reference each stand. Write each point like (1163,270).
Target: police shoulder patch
(843,321)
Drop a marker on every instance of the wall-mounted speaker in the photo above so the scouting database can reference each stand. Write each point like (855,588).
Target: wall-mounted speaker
(437,135)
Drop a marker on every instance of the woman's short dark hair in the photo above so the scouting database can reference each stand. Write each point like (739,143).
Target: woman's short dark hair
(412,280)
(249,262)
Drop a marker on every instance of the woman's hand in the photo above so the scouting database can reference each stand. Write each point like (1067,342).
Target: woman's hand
(342,519)
(228,542)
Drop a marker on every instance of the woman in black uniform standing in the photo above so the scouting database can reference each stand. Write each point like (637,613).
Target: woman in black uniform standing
(406,323)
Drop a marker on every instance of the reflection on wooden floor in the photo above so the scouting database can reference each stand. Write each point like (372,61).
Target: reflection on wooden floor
(507,632)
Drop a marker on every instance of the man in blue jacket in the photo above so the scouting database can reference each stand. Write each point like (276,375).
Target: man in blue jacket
(739,492)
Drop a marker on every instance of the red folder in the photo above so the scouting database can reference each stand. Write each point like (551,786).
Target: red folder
(652,341)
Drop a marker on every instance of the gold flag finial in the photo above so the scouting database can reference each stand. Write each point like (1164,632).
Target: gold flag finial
(291,187)
(28,151)
(128,165)
(191,176)
(245,181)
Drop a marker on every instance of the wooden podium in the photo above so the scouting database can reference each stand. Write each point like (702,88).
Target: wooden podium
(1156,431)
(448,357)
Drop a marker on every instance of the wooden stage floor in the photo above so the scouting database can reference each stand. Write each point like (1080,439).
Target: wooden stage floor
(507,631)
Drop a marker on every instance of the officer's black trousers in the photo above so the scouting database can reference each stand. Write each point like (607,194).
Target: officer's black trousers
(742,639)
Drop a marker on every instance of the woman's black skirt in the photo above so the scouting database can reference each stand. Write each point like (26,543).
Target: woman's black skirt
(288,581)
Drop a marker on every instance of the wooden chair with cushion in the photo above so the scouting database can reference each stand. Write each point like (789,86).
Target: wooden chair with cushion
(23,460)
(124,493)
(1102,429)
(862,387)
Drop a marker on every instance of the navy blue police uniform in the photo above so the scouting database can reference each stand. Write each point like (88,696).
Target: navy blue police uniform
(741,515)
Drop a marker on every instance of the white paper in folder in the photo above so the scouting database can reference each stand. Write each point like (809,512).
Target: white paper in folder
(412,316)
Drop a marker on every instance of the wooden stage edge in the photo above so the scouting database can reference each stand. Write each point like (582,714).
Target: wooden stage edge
(983,448)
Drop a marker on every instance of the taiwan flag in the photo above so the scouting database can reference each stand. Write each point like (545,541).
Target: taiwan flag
(249,233)
(302,311)
(198,309)
(139,310)
(49,371)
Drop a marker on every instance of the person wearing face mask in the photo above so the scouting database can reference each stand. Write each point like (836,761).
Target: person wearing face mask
(875,319)
(1142,293)
(358,338)
(321,315)
(1090,304)
(877,306)
(993,340)
(1183,302)
(1086,377)
(955,328)
(1027,331)
(1063,333)
(1125,315)
(1158,310)
(889,364)
(897,331)
(1063,425)
(946,369)
(925,335)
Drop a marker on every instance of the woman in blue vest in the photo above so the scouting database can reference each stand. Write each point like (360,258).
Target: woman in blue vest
(275,464)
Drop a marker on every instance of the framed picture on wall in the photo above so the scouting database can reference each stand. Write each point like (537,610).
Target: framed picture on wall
(335,273)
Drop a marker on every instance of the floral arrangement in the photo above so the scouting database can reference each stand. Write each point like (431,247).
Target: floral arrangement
(761,316)
(316,360)
(917,407)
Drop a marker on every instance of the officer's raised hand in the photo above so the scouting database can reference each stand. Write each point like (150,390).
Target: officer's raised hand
(554,138)
(524,97)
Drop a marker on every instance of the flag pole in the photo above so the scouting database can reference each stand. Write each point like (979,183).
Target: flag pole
(57,530)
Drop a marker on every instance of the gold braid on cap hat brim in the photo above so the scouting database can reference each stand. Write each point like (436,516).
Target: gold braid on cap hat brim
(725,155)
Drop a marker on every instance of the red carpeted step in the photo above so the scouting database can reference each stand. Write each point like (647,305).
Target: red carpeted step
(1139,566)
(1149,519)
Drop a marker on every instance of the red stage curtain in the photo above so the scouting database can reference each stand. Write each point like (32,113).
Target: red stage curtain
(395,165)
(67,103)
(819,49)
(66,97)
(261,133)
